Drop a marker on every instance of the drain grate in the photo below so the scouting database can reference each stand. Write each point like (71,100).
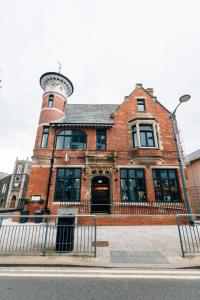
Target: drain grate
(137,257)
(101,243)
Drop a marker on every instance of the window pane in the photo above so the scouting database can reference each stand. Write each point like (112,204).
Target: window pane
(131,173)
(143,139)
(150,139)
(146,127)
(123,173)
(172,173)
(135,141)
(59,142)
(60,172)
(100,139)
(163,173)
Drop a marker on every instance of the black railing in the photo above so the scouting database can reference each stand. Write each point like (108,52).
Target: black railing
(189,233)
(130,208)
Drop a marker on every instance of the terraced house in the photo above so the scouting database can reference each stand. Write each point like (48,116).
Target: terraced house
(111,160)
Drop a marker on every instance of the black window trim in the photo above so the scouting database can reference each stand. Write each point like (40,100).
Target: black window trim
(73,130)
(71,202)
(145,190)
(43,135)
(101,129)
(168,179)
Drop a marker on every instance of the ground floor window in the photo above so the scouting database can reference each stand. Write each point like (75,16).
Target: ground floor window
(132,183)
(68,184)
(166,185)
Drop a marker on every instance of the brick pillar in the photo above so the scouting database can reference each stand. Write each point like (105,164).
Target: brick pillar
(149,185)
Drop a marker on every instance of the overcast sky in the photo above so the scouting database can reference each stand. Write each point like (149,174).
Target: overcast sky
(105,47)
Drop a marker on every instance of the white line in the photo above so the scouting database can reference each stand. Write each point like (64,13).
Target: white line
(104,276)
(104,271)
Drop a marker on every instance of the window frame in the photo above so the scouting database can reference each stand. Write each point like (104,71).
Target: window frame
(64,180)
(136,133)
(45,137)
(161,189)
(100,135)
(142,104)
(63,140)
(128,181)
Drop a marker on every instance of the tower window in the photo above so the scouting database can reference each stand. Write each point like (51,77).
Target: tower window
(45,136)
(141,105)
(50,100)
(100,139)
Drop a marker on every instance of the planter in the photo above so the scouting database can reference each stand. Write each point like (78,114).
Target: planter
(24,216)
(38,216)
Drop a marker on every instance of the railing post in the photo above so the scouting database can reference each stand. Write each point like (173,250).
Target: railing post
(46,233)
(95,237)
(180,237)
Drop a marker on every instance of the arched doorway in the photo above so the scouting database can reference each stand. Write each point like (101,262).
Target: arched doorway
(13,201)
(100,195)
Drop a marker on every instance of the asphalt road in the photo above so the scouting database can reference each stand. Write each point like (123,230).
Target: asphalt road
(85,285)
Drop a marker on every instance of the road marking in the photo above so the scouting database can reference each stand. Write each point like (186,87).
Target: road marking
(105,276)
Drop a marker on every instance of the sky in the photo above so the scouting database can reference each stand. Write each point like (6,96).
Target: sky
(105,48)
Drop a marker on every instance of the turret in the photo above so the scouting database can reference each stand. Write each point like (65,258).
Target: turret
(57,88)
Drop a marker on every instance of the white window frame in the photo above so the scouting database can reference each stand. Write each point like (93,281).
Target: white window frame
(154,124)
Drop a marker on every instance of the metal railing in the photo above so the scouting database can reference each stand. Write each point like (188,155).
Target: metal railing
(131,208)
(74,235)
(189,233)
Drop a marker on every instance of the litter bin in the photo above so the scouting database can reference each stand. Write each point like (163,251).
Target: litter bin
(65,233)
(24,216)
(38,216)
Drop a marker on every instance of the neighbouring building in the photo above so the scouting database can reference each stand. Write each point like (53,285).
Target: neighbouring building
(18,182)
(193,170)
(4,187)
(107,159)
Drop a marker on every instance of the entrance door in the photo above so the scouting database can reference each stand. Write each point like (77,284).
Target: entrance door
(100,200)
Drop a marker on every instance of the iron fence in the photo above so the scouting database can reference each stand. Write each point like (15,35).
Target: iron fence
(189,233)
(74,234)
(130,208)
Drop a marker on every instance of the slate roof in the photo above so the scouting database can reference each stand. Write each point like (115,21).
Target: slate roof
(88,115)
(193,156)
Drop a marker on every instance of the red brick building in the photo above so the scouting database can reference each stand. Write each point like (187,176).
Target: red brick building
(106,159)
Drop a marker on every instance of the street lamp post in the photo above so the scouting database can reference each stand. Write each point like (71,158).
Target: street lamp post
(182,99)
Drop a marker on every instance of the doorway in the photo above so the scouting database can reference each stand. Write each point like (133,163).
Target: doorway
(100,195)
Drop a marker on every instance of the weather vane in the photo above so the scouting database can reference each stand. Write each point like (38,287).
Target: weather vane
(60,66)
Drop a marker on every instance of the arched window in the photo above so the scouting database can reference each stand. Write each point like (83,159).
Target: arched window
(71,140)
(13,197)
(19,169)
(4,188)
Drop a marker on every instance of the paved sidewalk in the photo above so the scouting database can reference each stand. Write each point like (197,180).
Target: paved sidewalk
(122,246)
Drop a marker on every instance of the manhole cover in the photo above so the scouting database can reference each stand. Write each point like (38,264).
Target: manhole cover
(137,257)
(101,243)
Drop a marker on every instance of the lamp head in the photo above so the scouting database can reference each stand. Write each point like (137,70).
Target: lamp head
(184,98)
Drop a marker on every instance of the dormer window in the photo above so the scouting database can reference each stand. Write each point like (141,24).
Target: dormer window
(141,105)
(50,101)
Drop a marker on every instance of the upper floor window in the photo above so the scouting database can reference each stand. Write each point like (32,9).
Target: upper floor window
(101,139)
(50,100)
(166,185)
(45,135)
(71,140)
(68,184)
(141,105)
(144,135)
(132,182)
